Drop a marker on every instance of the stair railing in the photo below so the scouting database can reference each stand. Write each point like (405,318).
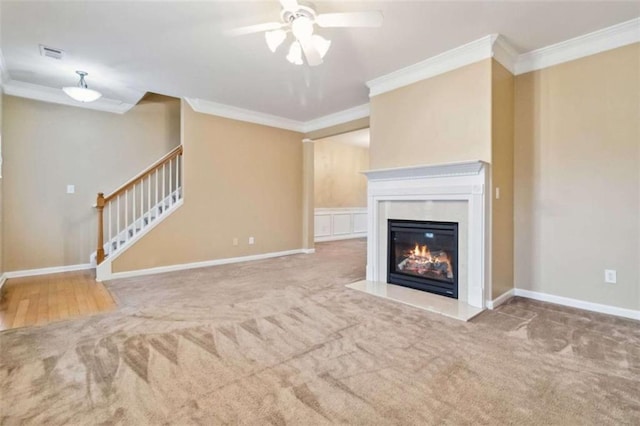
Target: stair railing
(136,204)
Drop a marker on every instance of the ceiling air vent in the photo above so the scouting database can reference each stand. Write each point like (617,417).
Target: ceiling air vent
(51,52)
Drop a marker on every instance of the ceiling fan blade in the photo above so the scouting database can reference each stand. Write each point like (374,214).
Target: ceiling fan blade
(350,19)
(269,26)
(312,54)
(290,5)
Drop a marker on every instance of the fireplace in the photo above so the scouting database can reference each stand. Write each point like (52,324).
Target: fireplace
(455,192)
(423,255)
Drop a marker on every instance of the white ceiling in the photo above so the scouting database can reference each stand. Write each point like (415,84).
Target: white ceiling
(179,48)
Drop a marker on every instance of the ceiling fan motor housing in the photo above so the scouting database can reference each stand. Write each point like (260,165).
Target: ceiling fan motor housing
(303,11)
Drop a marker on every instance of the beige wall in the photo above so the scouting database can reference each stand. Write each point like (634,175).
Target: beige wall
(577,164)
(48,146)
(240,180)
(444,119)
(338,181)
(502,123)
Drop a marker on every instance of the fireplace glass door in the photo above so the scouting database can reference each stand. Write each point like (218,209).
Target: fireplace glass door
(424,255)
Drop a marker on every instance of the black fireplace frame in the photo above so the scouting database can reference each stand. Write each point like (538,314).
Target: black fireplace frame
(422,283)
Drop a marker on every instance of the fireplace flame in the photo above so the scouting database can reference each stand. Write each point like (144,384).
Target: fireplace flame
(421,261)
(421,251)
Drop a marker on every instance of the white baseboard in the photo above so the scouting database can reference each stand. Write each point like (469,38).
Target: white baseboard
(216,262)
(492,304)
(580,304)
(308,251)
(45,271)
(339,237)
(3,279)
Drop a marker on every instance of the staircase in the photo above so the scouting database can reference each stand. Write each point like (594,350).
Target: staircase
(135,208)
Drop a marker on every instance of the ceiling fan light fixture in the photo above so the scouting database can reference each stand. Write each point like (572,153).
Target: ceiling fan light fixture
(302,29)
(321,44)
(295,53)
(81,92)
(275,39)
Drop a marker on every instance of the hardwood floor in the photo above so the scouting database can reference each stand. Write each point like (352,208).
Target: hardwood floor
(48,298)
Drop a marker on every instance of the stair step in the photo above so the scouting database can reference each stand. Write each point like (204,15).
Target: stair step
(146,220)
(131,233)
(115,244)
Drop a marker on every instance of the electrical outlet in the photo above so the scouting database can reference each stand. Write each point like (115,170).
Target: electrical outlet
(252,240)
(235,241)
(71,189)
(610,276)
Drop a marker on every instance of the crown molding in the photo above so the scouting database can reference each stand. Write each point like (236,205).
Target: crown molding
(436,65)
(504,53)
(4,71)
(585,45)
(497,47)
(241,114)
(57,96)
(340,117)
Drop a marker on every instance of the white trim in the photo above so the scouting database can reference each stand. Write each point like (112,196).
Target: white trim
(463,168)
(504,53)
(580,304)
(340,237)
(444,62)
(578,47)
(213,108)
(5,77)
(57,96)
(327,210)
(241,114)
(46,271)
(492,304)
(3,279)
(340,117)
(496,46)
(309,251)
(206,263)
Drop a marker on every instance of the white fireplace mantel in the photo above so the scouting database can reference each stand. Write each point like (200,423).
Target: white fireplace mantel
(464,181)
(467,168)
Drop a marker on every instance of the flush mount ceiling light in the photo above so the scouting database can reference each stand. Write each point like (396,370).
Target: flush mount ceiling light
(81,92)
(300,19)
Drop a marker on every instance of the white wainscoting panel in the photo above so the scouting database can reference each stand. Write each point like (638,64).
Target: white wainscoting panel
(322,225)
(340,223)
(360,222)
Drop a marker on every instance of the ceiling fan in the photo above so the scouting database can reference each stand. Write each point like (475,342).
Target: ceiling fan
(300,19)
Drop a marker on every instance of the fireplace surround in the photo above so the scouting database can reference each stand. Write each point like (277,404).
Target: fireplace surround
(445,193)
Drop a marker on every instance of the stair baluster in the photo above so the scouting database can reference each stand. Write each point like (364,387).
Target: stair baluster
(166,196)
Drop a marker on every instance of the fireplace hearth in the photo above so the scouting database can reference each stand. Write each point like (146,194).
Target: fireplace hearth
(423,255)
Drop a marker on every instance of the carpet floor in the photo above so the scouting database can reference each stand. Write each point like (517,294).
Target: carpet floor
(282,341)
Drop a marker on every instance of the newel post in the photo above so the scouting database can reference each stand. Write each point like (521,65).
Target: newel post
(100,207)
